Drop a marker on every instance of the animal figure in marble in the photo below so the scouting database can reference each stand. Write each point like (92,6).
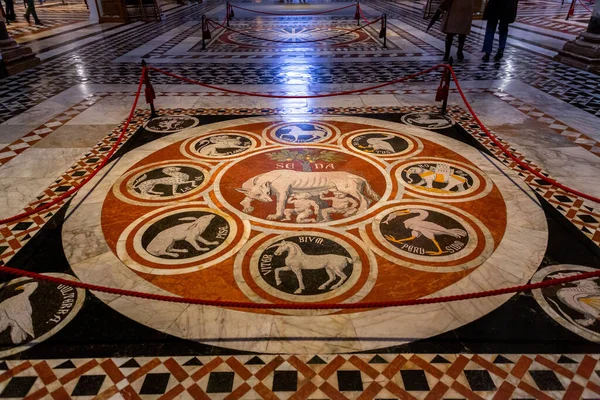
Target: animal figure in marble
(418,226)
(297,261)
(174,179)
(163,244)
(379,144)
(584,298)
(213,144)
(443,173)
(295,132)
(283,183)
(431,122)
(15,314)
(170,124)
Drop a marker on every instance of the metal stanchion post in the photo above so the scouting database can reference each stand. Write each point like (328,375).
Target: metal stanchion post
(571,10)
(357,13)
(148,90)
(203,30)
(385,31)
(228,11)
(447,87)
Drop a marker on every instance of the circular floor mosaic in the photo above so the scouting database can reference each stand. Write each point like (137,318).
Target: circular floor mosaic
(299,35)
(329,210)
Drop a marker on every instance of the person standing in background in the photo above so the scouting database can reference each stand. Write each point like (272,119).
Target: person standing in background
(458,15)
(10,11)
(505,12)
(31,11)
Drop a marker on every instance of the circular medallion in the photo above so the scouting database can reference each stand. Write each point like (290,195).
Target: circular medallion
(428,120)
(431,237)
(301,186)
(302,132)
(574,305)
(311,266)
(220,145)
(320,262)
(175,239)
(162,183)
(431,177)
(384,143)
(171,123)
(32,311)
(298,35)
(306,222)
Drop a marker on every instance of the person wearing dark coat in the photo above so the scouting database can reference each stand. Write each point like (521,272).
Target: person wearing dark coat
(498,11)
(458,15)
(10,11)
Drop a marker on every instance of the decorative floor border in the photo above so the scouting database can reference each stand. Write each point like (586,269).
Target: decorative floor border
(14,236)
(382,376)
(582,213)
(23,143)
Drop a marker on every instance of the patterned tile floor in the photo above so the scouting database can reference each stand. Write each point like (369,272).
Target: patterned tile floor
(52,13)
(375,376)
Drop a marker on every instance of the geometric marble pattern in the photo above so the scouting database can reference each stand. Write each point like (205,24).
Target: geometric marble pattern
(364,376)
(53,15)
(572,134)
(579,211)
(20,145)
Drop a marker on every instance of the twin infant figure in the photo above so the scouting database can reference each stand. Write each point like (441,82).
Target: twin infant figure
(307,209)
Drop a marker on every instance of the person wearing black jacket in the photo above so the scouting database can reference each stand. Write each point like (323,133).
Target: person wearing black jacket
(10,11)
(498,11)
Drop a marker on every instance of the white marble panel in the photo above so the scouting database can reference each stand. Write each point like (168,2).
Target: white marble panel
(16,193)
(337,101)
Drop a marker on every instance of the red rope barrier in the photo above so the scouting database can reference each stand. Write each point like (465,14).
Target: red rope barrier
(584,6)
(510,154)
(283,41)
(314,306)
(92,174)
(454,77)
(302,306)
(314,96)
(362,14)
(293,15)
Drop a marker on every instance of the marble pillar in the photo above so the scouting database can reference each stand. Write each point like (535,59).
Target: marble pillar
(14,58)
(584,52)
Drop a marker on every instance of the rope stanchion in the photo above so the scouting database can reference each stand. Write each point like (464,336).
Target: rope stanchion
(73,190)
(292,15)
(571,11)
(383,31)
(149,93)
(214,23)
(301,306)
(444,91)
(205,32)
